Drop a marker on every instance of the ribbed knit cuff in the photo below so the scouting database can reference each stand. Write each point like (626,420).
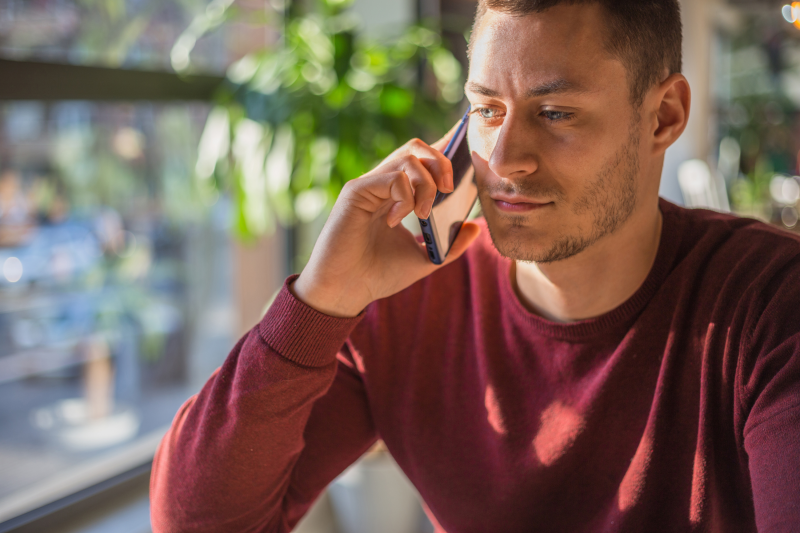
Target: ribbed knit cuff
(303,334)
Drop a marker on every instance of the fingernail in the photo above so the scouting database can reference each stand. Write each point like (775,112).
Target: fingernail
(427,207)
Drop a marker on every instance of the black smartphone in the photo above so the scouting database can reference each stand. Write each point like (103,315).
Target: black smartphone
(451,210)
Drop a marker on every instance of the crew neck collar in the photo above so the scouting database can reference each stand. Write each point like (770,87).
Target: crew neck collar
(671,232)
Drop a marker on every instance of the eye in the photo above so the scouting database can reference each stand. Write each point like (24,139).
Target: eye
(556,116)
(487,113)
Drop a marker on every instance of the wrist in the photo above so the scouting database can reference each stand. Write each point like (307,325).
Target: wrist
(327,302)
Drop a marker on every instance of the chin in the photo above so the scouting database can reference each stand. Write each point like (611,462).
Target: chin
(516,240)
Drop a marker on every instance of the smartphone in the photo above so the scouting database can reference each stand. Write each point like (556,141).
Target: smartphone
(452,209)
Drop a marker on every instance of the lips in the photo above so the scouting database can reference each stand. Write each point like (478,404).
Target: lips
(518,204)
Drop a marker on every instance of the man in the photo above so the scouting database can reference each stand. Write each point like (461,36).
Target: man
(598,360)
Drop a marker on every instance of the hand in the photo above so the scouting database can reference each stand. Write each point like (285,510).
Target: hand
(363,253)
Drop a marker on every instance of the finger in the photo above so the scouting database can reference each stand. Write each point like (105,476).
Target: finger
(438,166)
(422,183)
(372,193)
(403,196)
(466,236)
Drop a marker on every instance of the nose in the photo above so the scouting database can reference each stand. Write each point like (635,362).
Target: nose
(513,155)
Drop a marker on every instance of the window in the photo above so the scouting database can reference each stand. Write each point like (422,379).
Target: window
(116,281)
(117,295)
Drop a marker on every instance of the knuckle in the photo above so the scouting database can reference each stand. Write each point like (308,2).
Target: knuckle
(427,184)
(400,180)
(398,176)
(359,184)
(408,159)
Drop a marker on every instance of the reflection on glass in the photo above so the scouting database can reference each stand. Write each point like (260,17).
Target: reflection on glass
(114,293)
(128,33)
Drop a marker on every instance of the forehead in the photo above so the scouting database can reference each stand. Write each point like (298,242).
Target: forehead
(566,42)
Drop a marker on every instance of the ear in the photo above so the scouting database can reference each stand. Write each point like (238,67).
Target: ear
(673,100)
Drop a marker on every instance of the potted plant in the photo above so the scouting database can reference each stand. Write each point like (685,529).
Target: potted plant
(320,107)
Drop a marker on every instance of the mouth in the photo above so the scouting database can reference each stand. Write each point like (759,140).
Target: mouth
(514,204)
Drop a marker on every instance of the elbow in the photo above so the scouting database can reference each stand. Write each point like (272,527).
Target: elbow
(168,514)
(172,505)
(177,505)
(174,510)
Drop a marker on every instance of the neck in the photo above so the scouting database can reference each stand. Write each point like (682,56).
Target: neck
(597,280)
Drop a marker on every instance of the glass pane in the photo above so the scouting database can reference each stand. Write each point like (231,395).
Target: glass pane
(130,33)
(115,281)
(757,94)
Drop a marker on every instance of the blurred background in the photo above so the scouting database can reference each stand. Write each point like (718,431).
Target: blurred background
(165,164)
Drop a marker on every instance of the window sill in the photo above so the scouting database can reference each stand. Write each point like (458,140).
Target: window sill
(120,504)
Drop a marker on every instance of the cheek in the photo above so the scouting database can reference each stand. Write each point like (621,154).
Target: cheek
(481,142)
(573,155)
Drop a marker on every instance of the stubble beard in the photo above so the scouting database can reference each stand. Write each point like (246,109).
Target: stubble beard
(611,197)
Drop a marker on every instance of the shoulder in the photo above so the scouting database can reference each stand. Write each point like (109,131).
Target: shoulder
(741,250)
(732,229)
(747,271)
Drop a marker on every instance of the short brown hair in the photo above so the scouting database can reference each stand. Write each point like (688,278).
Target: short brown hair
(645,35)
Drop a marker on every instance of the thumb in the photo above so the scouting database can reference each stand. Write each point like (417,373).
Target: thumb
(469,232)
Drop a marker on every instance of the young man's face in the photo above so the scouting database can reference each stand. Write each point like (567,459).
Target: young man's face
(554,136)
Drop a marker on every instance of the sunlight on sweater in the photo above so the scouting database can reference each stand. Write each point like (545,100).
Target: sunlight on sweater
(493,412)
(560,426)
(633,484)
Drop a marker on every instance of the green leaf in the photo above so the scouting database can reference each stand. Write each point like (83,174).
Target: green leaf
(396,101)
(340,97)
(350,163)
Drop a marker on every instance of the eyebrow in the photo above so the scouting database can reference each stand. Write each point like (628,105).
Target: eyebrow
(558,86)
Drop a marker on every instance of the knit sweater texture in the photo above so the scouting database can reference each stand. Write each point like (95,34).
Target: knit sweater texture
(677,411)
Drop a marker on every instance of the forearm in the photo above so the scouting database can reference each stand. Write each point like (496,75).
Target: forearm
(227,461)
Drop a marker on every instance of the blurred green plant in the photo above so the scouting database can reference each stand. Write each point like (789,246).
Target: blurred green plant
(320,107)
(758,96)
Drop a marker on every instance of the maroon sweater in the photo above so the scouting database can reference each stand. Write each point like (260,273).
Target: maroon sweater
(677,411)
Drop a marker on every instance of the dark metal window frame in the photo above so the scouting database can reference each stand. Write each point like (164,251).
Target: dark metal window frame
(33,80)
(52,515)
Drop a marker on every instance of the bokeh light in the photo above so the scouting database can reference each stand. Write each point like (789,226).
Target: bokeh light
(12,269)
(789,217)
(791,13)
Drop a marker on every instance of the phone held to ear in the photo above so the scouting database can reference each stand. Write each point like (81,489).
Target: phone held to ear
(450,210)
